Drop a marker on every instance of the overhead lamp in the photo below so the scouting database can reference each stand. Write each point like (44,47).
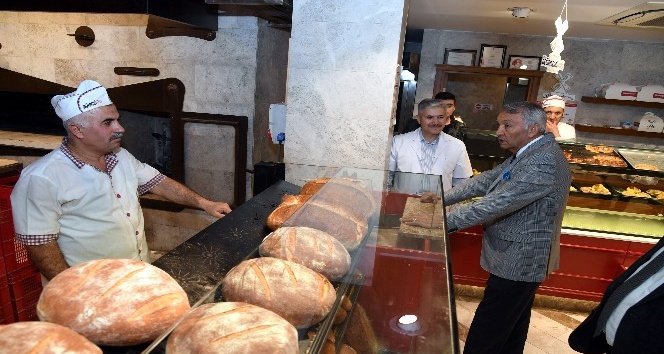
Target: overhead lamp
(520,12)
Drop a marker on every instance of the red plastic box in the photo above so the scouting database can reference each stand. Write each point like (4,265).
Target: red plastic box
(26,286)
(6,308)
(14,253)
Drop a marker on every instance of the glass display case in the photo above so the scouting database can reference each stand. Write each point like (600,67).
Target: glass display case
(396,297)
(616,190)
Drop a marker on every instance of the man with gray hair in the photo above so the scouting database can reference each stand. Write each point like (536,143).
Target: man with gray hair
(428,151)
(521,209)
(80,201)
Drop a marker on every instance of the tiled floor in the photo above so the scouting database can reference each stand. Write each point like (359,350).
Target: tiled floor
(549,328)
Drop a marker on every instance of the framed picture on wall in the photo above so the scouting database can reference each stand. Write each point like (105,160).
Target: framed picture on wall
(464,57)
(492,55)
(524,62)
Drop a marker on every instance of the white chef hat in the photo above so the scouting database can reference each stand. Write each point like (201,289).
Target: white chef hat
(89,95)
(553,101)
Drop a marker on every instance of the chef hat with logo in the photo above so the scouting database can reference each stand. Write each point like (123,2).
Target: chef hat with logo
(553,101)
(89,95)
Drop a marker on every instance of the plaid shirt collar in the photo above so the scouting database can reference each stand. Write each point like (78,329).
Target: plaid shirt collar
(424,141)
(111,158)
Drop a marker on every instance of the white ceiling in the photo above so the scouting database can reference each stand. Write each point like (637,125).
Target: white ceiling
(494,16)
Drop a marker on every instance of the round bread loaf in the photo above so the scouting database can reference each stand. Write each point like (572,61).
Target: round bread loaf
(280,214)
(232,328)
(348,194)
(294,292)
(349,229)
(312,248)
(113,302)
(43,338)
(313,186)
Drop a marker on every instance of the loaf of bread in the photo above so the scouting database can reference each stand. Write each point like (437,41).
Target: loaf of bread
(313,186)
(312,248)
(232,328)
(349,194)
(113,302)
(294,292)
(360,333)
(289,205)
(349,229)
(330,348)
(43,338)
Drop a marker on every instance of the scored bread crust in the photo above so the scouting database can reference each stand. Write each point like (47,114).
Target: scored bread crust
(232,328)
(313,186)
(349,229)
(43,338)
(314,249)
(293,291)
(114,302)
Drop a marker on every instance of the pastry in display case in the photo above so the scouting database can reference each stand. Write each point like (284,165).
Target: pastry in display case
(350,263)
(613,188)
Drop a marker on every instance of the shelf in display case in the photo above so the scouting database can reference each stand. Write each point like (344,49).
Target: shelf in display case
(613,222)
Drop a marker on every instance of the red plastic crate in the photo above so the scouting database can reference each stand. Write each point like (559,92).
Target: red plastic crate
(14,253)
(6,308)
(25,286)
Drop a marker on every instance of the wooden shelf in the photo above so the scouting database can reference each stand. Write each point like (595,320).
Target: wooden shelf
(614,131)
(599,100)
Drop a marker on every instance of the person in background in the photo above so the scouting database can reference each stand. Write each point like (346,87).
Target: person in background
(630,317)
(428,150)
(521,210)
(554,106)
(80,201)
(456,127)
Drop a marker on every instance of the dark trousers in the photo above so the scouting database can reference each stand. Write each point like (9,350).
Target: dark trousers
(500,325)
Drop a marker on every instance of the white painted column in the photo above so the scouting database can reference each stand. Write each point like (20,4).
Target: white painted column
(343,76)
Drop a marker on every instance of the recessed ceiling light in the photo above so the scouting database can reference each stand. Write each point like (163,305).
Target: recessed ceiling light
(521,12)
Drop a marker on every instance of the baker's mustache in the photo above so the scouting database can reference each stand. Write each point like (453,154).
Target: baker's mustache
(116,136)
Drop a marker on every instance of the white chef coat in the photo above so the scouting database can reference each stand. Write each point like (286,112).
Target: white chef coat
(450,161)
(95,215)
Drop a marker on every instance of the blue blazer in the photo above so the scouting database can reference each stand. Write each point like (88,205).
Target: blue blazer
(522,207)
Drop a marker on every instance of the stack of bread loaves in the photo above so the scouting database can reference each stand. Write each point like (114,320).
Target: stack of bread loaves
(307,250)
(339,207)
(114,302)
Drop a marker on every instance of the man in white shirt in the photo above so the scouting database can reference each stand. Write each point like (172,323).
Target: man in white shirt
(554,106)
(430,152)
(80,201)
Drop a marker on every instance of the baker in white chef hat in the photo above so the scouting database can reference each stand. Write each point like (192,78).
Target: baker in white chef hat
(88,96)
(554,106)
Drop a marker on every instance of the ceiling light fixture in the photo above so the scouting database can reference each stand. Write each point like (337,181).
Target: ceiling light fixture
(521,12)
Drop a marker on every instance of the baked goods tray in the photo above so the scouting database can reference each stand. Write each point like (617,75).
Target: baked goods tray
(596,155)
(638,195)
(576,189)
(615,193)
(643,160)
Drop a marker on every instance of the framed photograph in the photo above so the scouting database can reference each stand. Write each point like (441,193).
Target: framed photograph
(464,57)
(492,56)
(524,62)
